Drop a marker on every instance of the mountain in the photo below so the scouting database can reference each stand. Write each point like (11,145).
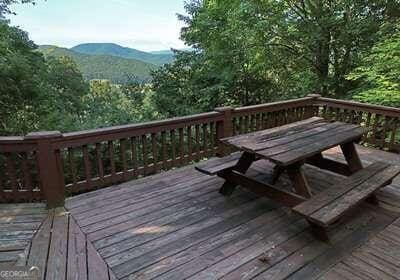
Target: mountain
(164,52)
(117,50)
(117,69)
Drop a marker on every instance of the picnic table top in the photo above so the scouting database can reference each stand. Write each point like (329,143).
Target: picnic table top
(297,141)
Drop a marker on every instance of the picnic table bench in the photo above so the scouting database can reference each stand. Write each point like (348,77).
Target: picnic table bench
(289,147)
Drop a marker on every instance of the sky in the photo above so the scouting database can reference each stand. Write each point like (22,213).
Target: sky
(147,25)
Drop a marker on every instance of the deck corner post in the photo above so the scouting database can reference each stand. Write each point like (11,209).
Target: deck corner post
(224,129)
(50,167)
(312,109)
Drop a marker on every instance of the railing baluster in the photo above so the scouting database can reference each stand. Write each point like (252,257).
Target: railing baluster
(197,135)
(112,161)
(134,158)
(236,126)
(26,173)
(393,133)
(385,128)
(190,143)
(344,115)
(205,137)
(375,129)
(2,176)
(352,115)
(144,154)
(173,146)
(11,173)
(100,168)
(181,147)
(368,126)
(291,115)
(154,151)
(164,150)
(252,123)
(72,167)
(213,135)
(87,167)
(246,124)
(122,151)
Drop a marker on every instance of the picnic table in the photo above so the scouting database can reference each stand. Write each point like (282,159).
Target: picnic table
(291,146)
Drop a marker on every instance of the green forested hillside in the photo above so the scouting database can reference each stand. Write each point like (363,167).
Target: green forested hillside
(116,69)
(117,50)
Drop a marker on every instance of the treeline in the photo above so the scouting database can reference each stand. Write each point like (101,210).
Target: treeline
(252,51)
(51,94)
(243,52)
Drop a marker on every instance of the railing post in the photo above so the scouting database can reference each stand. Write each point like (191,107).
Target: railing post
(50,169)
(312,110)
(224,129)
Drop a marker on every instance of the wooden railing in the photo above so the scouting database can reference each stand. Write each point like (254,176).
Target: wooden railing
(19,178)
(50,165)
(382,122)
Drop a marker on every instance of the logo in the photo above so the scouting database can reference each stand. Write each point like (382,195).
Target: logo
(19,273)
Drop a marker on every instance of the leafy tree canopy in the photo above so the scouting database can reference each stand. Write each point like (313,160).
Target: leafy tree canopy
(5,6)
(252,51)
(379,73)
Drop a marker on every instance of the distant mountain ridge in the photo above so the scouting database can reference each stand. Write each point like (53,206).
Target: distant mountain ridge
(114,68)
(157,58)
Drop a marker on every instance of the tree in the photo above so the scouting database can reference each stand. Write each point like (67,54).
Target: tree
(60,107)
(378,76)
(5,6)
(21,79)
(36,93)
(252,51)
(108,104)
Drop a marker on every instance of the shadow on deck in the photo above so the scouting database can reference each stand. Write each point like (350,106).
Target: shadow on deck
(176,225)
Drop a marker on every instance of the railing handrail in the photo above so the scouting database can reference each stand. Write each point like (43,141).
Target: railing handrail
(116,132)
(144,125)
(354,105)
(273,105)
(11,139)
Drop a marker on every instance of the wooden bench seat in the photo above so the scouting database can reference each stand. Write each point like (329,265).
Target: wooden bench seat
(328,206)
(216,165)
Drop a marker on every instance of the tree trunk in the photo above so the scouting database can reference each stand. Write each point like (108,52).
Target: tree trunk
(323,60)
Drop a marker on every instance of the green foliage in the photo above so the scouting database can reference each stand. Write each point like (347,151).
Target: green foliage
(5,6)
(36,94)
(117,50)
(379,73)
(242,52)
(252,51)
(109,104)
(117,69)
(22,72)
(61,108)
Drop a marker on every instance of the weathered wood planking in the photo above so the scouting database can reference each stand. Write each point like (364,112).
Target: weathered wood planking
(18,225)
(61,251)
(240,237)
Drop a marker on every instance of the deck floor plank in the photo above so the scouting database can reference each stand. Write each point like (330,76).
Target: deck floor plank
(175,225)
(40,245)
(77,253)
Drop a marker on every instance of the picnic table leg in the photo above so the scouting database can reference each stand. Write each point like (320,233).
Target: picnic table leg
(242,166)
(353,160)
(276,173)
(319,232)
(351,156)
(298,179)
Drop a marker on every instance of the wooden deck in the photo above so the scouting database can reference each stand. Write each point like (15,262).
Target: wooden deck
(176,225)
